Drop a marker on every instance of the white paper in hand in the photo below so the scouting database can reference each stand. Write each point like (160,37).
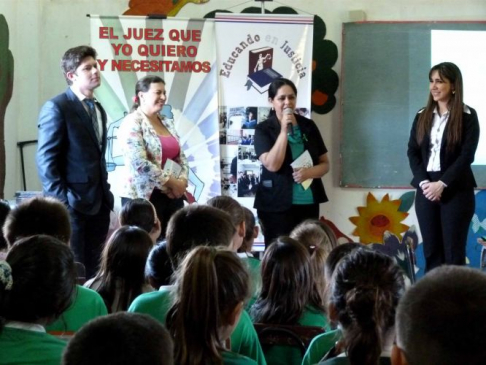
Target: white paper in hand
(303,161)
(172,168)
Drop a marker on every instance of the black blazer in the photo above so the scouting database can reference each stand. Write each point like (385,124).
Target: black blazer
(274,193)
(455,165)
(70,161)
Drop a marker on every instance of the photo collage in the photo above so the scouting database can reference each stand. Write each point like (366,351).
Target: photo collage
(240,167)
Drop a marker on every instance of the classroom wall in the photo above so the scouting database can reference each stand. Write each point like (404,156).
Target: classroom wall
(41,30)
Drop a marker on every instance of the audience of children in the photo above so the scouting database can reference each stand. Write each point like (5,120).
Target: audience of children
(45,215)
(441,319)
(120,338)
(121,277)
(304,280)
(37,284)
(205,312)
(364,293)
(190,227)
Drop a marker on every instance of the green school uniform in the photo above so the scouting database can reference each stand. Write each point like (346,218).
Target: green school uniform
(253,266)
(286,355)
(20,346)
(244,339)
(320,346)
(87,306)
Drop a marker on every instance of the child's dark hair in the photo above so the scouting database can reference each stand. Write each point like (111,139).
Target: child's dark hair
(364,294)
(158,270)
(122,267)
(337,254)
(286,283)
(42,278)
(210,284)
(120,338)
(39,215)
(448,300)
(249,231)
(138,212)
(230,206)
(196,225)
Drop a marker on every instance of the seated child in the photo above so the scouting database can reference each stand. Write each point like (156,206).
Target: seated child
(121,277)
(205,312)
(286,296)
(235,210)
(47,215)
(141,213)
(319,240)
(37,284)
(323,343)
(440,319)
(364,293)
(158,269)
(245,252)
(120,338)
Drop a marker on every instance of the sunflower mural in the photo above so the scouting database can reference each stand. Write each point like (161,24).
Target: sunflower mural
(377,217)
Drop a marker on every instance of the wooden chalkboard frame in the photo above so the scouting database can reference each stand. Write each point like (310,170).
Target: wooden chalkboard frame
(384,83)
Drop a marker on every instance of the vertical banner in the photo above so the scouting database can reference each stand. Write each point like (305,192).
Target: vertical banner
(182,52)
(253,50)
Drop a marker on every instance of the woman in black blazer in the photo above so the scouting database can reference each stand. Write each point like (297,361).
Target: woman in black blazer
(281,200)
(441,148)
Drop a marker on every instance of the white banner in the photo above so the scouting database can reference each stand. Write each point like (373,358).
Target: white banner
(182,52)
(253,50)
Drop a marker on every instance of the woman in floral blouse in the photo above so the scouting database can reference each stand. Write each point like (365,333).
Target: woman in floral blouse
(148,142)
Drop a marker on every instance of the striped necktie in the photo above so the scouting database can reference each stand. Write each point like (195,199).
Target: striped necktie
(94,117)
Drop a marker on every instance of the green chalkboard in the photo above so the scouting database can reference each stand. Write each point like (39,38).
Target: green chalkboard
(384,84)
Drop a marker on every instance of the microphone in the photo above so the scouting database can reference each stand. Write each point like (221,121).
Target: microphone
(289,111)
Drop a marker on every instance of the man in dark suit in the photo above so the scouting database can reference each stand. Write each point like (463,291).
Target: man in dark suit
(71,155)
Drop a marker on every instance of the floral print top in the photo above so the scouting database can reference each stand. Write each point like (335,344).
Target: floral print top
(142,151)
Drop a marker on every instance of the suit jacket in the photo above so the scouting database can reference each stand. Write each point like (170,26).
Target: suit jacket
(274,193)
(455,165)
(70,161)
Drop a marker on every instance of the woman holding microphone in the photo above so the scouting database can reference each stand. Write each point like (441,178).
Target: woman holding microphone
(281,200)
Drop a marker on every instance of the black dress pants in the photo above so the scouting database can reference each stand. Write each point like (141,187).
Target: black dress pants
(88,237)
(275,224)
(444,226)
